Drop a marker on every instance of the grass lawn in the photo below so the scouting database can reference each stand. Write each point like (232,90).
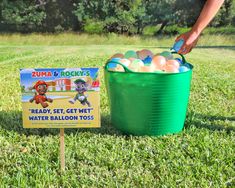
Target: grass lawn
(202,155)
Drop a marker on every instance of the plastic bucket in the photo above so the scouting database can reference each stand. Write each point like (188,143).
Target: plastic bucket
(148,103)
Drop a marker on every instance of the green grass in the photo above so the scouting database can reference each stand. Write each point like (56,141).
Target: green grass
(200,156)
(175,29)
(71,39)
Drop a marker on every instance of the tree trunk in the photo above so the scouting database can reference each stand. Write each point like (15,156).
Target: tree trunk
(162,27)
(140,30)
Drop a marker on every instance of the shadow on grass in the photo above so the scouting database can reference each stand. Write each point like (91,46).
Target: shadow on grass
(12,121)
(225,47)
(206,47)
(209,122)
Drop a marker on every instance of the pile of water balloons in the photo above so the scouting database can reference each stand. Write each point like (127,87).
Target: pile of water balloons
(145,61)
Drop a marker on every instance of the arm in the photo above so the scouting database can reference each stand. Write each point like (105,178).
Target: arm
(208,12)
(31,100)
(49,99)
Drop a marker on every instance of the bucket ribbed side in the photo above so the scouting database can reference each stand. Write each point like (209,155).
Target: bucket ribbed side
(148,104)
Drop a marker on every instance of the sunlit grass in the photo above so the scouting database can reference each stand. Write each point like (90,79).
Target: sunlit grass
(200,156)
(110,39)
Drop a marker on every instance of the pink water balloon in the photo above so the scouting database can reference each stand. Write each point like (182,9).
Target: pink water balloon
(117,55)
(144,53)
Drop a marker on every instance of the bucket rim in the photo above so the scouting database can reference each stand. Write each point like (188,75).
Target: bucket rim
(156,73)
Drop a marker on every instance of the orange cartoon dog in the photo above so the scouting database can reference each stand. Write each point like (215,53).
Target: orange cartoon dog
(40,96)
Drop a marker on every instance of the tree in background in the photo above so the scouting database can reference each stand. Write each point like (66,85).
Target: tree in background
(21,15)
(59,16)
(99,16)
(225,15)
(160,12)
(92,13)
(187,11)
(123,16)
(37,15)
(22,87)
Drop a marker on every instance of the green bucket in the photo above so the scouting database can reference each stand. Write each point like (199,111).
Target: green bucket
(143,103)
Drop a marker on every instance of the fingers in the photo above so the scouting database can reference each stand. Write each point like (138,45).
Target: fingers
(178,38)
(182,49)
(185,49)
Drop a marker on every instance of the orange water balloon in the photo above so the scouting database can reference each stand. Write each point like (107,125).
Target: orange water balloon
(170,68)
(173,62)
(118,55)
(159,62)
(125,62)
(119,68)
(147,69)
(131,59)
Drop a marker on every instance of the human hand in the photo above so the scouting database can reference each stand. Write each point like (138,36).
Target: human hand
(190,40)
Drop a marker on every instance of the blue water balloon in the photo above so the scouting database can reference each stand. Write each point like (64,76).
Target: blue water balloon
(179,60)
(183,69)
(116,59)
(113,65)
(147,60)
(178,45)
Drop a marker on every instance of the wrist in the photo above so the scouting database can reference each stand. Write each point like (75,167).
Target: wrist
(195,31)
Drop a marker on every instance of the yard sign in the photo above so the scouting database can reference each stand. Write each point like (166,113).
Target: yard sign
(60,98)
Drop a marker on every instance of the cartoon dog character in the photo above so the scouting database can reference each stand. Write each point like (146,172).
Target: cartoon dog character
(40,97)
(81,88)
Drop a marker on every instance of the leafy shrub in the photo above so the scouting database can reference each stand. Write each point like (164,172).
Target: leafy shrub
(93,27)
(174,29)
(220,30)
